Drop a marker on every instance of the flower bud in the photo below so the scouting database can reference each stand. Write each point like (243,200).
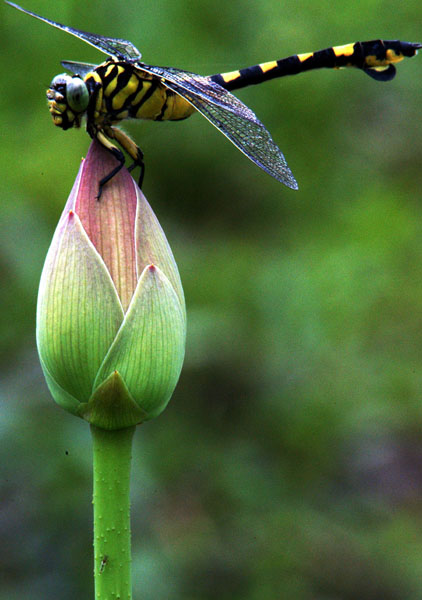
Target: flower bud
(111,321)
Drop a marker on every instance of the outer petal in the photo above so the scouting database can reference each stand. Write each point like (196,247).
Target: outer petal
(63,399)
(148,350)
(78,312)
(152,247)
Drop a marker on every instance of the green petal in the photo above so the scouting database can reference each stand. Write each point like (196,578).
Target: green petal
(149,348)
(63,399)
(78,312)
(152,247)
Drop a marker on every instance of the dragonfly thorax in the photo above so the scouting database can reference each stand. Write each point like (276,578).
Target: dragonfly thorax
(68,99)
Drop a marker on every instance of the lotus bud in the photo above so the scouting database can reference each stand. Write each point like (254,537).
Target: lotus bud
(111,320)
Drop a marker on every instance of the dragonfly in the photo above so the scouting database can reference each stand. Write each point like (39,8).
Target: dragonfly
(124,87)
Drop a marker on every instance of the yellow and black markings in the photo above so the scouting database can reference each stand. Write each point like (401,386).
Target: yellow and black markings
(375,55)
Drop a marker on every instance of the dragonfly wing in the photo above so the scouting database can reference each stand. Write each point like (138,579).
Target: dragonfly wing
(117,48)
(230,116)
(77,68)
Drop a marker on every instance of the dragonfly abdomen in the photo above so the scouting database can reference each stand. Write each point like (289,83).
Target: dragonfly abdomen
(376,58)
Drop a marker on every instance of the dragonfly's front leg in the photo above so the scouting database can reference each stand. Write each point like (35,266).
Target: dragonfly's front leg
(131,148)
(115,151)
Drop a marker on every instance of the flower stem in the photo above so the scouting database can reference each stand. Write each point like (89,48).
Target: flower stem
(112,555)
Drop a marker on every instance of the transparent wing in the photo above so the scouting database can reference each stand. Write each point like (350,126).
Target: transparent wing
(120,49)
(78,68)
(230,116)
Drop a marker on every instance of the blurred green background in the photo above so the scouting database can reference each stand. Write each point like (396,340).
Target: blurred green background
(289,461)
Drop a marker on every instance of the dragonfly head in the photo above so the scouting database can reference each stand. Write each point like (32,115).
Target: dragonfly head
(68,99)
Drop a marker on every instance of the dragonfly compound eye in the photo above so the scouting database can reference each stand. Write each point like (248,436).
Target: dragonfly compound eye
(67,99)
(77,94)
(59,84)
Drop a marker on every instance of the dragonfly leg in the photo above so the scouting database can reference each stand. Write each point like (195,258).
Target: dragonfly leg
(118,154)
(140,164)
(131,148)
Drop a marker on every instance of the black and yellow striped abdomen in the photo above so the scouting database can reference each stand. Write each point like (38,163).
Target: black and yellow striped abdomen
(376,58)
(122,91)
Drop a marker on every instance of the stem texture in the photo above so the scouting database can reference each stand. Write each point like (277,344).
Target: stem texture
(111,499)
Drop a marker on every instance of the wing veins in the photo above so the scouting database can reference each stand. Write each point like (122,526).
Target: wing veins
(230,116)
(115,47)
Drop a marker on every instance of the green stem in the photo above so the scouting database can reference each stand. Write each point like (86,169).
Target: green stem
(112,555)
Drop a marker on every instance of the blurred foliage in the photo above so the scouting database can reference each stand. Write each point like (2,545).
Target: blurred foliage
(288,463)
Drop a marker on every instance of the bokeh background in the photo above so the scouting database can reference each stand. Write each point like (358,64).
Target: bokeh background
(289,461)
